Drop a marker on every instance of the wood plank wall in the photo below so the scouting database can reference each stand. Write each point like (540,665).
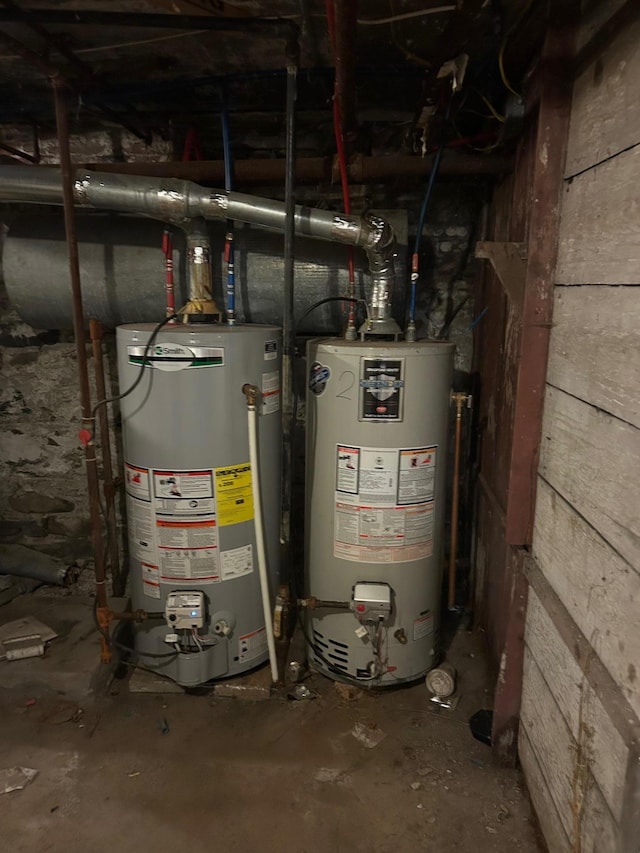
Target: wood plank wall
(576,750)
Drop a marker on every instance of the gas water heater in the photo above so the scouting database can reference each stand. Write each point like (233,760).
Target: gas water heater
(189,493)
(377,424)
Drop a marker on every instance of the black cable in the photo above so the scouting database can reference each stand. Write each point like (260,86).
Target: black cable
(444,331)
(138,378)
(132,651)
(323,302)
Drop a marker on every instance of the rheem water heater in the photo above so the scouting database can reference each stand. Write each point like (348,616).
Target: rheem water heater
(377,423)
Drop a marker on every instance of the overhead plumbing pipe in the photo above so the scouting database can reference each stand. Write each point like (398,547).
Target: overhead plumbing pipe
(167,251)
(118,580)
(229,249)
(175,201)
(65,196)
(288,331)
(338,130)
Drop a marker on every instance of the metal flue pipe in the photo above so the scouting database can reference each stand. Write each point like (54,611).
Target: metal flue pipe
(176,201)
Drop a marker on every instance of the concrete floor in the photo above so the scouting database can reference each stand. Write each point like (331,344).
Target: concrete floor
(273,775)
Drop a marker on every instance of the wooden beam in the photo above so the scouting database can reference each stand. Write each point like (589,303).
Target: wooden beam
(546,186)
(509,262)
(508,695)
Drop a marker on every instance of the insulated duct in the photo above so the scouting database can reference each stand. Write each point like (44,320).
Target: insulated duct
(177,201)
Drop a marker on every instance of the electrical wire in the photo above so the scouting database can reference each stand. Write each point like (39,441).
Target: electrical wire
(137,43)
(494,112)
(406,16)
(132,651)
(503,45)
(196,640)
(324,302)
(138,378)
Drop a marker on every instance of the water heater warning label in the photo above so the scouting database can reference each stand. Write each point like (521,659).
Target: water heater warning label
(174,519)
(417,477)
(234,496)
(384,503)
(271,392)
(252,645)
(237,562)
(151,580)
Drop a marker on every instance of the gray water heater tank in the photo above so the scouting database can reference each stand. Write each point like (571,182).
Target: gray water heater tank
(189,499)
(377,425)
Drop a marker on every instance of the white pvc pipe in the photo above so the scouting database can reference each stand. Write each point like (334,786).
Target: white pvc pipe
(252,420)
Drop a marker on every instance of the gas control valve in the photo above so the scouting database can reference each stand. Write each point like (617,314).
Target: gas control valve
(371,602)
(185,610)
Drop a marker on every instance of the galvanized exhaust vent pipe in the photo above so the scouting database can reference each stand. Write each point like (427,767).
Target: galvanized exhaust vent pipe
(177,201)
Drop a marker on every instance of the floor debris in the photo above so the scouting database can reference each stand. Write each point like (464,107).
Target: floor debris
(369,735)
(24,638)
(301,691)
(348,692)
(16,778)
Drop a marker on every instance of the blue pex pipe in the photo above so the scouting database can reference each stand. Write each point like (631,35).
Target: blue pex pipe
(228,185)
(423,213)
(416,250)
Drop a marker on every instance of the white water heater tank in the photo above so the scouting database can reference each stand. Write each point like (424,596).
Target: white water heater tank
(190,519)
(377,426)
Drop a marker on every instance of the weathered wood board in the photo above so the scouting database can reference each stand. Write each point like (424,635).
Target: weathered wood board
(593,460)
(545,808)
(557,755)
(578,704)
(600,224)
(595,347)
(600,590)
(605,116)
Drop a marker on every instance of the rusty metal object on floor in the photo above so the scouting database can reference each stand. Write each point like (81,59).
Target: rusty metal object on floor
(441,680)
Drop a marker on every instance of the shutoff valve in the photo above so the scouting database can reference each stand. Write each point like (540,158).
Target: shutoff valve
(371,602)
(185,610)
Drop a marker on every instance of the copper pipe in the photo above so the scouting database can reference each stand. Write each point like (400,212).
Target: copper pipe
(460,401)
(88,421)
(108,483)
(346,28)
(360,169)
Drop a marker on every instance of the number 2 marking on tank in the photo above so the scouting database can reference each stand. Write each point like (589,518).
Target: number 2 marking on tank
(349,383)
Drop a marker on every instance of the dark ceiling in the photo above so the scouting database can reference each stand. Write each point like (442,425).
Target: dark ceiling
(164,67)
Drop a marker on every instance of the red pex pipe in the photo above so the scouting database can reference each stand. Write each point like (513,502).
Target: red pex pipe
(167,250)
(342,159)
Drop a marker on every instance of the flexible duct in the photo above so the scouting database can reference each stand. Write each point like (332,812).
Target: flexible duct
(199,271)
(177,201)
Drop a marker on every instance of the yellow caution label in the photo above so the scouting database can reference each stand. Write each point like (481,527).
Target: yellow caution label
(234,497)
